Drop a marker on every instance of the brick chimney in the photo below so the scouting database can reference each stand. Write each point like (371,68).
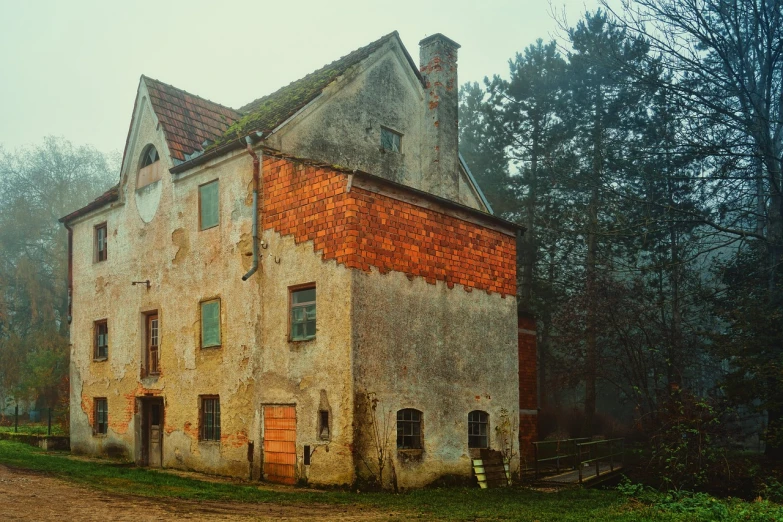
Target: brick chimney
(440,147)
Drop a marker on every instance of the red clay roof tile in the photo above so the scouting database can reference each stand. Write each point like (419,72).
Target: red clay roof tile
(187,119)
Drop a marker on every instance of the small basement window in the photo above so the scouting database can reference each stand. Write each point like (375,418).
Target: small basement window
(210,418)
(101,426)
(208,205)
(303,314)
(210,323)
(478,429)
(101,344)
(101,243)
(390,140)
(409,429)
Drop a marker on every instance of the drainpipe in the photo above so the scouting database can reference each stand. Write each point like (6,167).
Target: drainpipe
(256,169)
(70,270)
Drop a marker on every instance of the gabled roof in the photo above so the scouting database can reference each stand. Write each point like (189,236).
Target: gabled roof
(267,113)
(187,120)
(107,197)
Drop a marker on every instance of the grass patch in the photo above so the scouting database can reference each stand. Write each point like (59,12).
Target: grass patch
(446,504)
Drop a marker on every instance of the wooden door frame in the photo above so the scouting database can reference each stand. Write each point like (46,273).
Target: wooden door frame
(146,412)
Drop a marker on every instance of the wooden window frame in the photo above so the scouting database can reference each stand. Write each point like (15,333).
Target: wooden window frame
(96,356)
(145,156)
(214,435)
(100,429)
(201,322)
(477,424)
(201,226)
(150,355)
(291,291)
(101,255)
(401,438)
(395,133)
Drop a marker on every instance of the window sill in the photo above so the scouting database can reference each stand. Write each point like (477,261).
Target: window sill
(209,442)
(297,341)
(214,347)
(209,227)
(100,435)
(100,359)
(410,455)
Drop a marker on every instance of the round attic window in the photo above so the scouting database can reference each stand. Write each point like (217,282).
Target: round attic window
(148,183)
(150,156)
(150,170)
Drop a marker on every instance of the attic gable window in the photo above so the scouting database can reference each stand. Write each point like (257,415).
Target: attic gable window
(150,156)
(390,140)
(150,169)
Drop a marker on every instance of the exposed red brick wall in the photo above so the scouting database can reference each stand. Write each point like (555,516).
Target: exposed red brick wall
(528,387)
(528,433)
(361,229)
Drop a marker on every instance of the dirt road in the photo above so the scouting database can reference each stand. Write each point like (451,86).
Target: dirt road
(27,495)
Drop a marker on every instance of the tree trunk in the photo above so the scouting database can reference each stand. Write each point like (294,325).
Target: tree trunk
(591,359)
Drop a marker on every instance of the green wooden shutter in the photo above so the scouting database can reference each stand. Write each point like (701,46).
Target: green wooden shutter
(208,197)
(210,323)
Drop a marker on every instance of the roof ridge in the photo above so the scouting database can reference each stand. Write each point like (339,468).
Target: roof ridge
(145,78)
(382,39)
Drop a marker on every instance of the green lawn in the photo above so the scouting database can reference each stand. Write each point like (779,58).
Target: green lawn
(448,504)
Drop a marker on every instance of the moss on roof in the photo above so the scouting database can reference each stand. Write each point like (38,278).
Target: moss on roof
(265,114)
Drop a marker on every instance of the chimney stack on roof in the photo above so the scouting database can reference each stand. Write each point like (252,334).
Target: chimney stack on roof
(440,148)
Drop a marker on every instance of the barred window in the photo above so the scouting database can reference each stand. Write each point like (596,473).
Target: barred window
(101,416)
(478,429)
(210,418)
(409,429)
(303,314)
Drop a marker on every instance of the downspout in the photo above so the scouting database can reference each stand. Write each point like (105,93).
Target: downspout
(70,271)
(256,169)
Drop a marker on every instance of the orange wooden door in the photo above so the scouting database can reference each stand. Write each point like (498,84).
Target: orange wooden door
(280,444)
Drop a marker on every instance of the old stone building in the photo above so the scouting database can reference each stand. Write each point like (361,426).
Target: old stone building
(266,283)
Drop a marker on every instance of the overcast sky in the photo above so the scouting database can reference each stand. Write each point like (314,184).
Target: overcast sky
(71,68)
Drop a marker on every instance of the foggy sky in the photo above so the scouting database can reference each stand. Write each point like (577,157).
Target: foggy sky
(71,68)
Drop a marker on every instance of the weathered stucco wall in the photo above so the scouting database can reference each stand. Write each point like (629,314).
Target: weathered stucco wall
(343,126)
(444,352)
(315,374)
(154,234)
(436,331)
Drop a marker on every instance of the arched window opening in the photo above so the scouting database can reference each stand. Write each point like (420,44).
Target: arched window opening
(150,156)
(409,434)
(478,429)
(150,169)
